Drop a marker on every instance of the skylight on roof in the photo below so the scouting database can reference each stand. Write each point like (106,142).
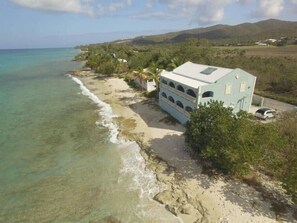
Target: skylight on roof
(208,70)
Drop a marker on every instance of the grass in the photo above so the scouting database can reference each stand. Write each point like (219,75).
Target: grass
(266,51)
(279,97)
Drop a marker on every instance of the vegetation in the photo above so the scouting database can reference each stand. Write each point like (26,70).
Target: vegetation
(276,75)
(235,144)
(232,142)
(242,34)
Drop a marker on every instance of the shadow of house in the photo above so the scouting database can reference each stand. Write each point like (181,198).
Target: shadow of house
(158,118)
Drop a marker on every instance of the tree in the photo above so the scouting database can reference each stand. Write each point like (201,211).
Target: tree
(232,142)
(288,171)
(153,72)
(212,132)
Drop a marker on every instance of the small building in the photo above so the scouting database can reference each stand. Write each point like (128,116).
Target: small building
(147,85)
(187,86)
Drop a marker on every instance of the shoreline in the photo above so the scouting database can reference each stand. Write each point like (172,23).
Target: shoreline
(189,194)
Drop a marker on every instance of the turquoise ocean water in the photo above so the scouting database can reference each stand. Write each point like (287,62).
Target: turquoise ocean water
(60,159)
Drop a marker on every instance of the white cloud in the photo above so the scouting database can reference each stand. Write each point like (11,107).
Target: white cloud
(159,15)
(199,11)
(75,6)
(107,8)
(270,8)
(150,3)
(115,6)
(203,12)
(89,7)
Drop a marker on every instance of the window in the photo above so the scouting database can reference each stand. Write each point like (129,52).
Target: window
(171,99)
(171,84)
(191,93)
(207,94)
(164,81)
(180,88)
(242,87)
(179,104)
(189,109)
(164,95)
(228,89)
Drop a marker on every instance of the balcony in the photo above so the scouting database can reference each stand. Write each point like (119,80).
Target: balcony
(173,105)
(179,93)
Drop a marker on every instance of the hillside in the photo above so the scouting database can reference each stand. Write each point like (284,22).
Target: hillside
(242,33)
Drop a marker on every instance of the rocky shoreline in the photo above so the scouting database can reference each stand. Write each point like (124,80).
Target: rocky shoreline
(189,194)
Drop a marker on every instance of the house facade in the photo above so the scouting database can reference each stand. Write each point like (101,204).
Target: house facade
(145,84)
(187,86)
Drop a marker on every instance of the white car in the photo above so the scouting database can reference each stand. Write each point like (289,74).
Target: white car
(265,113)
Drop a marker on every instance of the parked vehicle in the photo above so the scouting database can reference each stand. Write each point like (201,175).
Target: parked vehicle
(265,113)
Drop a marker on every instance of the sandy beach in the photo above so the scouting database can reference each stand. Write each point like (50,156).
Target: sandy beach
(190,194)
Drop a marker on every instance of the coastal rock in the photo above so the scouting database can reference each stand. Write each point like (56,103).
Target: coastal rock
(202,220)
(186,209)
(165,178)
(81,73)
(164,197)
(171,209)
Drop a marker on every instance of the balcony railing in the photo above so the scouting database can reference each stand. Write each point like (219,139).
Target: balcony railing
(179,93)
(179,109)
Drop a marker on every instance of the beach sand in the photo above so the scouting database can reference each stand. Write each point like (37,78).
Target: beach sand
(189,194)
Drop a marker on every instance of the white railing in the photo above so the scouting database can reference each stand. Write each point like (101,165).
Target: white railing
(179,93)
(179,109)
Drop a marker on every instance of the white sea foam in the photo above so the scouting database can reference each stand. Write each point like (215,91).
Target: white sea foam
(133,163)
(105,112)
(144,181)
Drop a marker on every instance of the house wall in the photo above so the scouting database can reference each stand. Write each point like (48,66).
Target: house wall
(150,86)
(240,95)
(145,84)
(181,100)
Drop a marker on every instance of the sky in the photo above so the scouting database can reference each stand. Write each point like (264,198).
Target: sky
(68,23)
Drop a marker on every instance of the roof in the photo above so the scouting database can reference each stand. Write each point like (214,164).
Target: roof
(201,73)
(181,79)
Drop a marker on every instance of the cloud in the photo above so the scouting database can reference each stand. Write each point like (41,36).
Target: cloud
(150,3)
(199,11)
(104,9)
(149,15)
(269,8)
(90,7)
(75,6)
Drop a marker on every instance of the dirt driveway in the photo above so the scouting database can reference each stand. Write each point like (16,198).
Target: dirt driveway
(274,104)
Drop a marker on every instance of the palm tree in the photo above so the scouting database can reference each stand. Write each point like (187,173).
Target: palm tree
(140,74)
(153,71)
(175,62)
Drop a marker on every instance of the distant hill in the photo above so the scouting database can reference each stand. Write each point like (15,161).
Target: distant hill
(242,33)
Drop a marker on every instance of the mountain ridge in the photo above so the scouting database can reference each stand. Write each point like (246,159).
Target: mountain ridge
(244,32)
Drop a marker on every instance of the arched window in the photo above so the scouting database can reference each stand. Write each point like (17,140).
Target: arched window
(179,104)
(164,95)
(191,93)
(171,84)
(207,94)
(189,109)
(171,99)
(164,81)
(180,88)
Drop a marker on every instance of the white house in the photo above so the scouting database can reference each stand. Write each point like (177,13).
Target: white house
(187,86)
